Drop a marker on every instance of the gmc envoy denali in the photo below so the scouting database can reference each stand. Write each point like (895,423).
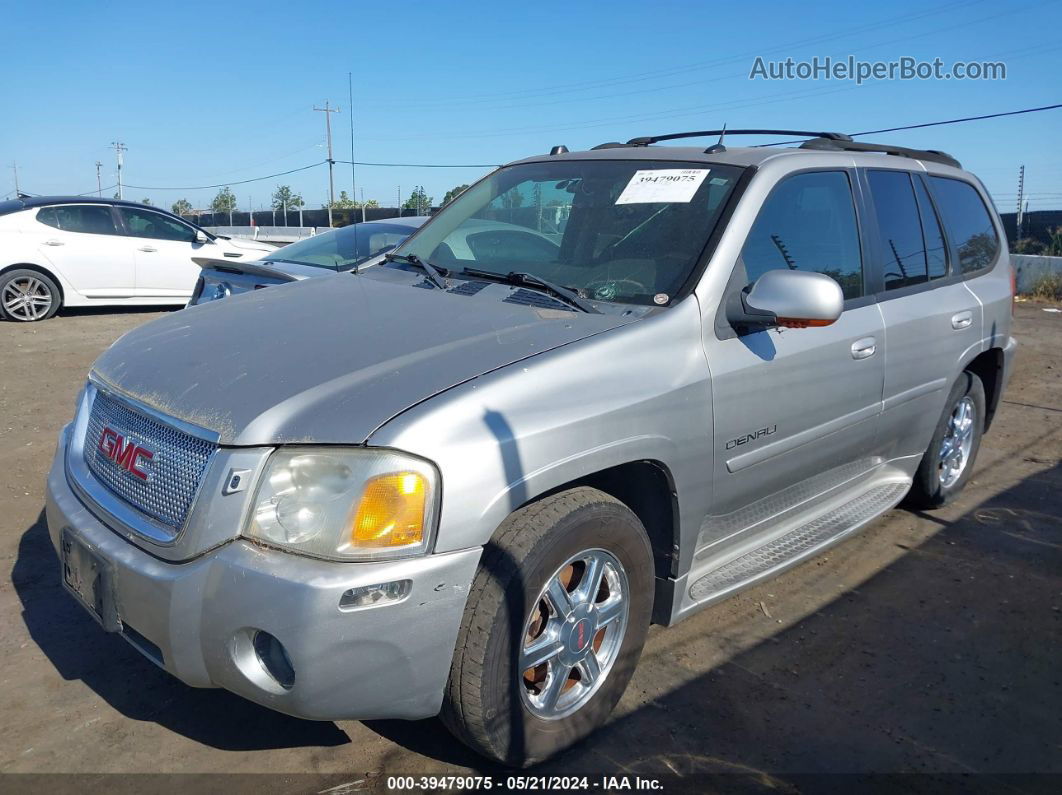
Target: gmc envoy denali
(599,389)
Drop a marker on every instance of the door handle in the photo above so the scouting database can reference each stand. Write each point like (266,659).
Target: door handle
(864,348)
(54,243)
(961,320)
(147,248)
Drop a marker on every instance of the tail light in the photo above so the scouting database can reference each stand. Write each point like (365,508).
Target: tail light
(1013,288)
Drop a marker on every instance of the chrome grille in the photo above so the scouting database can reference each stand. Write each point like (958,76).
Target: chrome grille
(174,473)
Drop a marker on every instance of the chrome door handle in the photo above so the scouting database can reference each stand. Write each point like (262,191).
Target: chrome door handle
(147,248)
(54,243)
(961,320)
(864,348)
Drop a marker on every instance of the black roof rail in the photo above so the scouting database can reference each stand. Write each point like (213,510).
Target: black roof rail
(652,139)
(932,155)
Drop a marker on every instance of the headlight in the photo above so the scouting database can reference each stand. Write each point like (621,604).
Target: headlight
(345,504)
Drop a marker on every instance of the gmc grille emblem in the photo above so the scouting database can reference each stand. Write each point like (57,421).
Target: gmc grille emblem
(124,452)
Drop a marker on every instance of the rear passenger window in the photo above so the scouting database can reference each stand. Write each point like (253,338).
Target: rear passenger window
(899,227)
(968,224)
(93,219)
(936,250)
(808,223)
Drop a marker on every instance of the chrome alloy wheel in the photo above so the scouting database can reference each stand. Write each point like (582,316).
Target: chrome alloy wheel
(573,634)
(26,298)
(957,442)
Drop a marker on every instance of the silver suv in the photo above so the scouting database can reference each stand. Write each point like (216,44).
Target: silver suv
(599,389)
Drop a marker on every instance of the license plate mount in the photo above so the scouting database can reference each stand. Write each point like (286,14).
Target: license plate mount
(90,579)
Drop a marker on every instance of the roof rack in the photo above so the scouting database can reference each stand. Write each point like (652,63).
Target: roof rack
(652,139)
(832,144)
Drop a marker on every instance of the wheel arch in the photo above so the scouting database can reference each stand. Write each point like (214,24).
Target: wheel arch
(32,266)
(647,488)
(989,366)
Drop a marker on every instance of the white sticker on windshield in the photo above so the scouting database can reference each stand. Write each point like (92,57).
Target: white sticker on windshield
(672,185)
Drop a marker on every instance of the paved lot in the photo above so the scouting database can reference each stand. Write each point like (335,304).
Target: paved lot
(928,644)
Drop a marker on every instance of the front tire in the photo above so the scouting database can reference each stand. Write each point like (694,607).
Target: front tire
(948,462)
(28,295)
(555,622)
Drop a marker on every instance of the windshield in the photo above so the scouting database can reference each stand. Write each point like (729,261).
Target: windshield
(341,249)
(628,231)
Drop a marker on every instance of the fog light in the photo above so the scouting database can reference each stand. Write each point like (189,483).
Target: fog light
(375,595)
(274,659)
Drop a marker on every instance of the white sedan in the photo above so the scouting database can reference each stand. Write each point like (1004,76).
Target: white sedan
(74,251)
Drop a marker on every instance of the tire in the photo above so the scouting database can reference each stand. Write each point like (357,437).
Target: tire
(28,295)
(503,712)
(935,483)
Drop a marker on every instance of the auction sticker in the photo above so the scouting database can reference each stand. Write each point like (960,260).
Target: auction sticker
(663,185)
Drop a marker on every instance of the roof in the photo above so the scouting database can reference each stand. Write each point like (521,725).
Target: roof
(741,156)
(28,202)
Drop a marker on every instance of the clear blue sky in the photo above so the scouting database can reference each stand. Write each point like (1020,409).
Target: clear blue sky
(221,92)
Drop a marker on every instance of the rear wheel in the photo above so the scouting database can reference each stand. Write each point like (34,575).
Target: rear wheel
(28,295)
(948,462)
(556,619)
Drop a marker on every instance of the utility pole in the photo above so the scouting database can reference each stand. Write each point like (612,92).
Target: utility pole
(353,173)
(1021,190)
(14,167)
(327,111)
(399,201)
(99,185)
(362,203)
(119,148)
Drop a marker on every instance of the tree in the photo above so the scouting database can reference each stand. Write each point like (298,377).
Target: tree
(224,202)
(343,202)
(286,199)
(182,207)
(418,200)
(453,193)
(1054,243)
(371,204)
(146,201)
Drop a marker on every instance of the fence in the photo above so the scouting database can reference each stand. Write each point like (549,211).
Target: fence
(1029,269)
(307,218)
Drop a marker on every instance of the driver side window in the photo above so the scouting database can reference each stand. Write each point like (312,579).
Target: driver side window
(144,223)
(808,223)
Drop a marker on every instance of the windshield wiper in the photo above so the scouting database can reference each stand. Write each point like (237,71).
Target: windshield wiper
(525,279)
(436,275)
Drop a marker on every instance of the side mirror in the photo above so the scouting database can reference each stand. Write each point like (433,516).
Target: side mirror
(201,236)
(791,299)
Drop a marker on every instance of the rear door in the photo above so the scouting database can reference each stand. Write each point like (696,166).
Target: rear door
(163,249)
(796,410)
(83,243)
(931,319)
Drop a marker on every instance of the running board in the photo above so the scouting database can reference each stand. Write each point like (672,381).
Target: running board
(799,543)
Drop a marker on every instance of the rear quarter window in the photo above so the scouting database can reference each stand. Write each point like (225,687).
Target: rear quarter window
(967,223)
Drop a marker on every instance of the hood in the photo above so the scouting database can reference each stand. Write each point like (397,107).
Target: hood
(244,244)
(327,360)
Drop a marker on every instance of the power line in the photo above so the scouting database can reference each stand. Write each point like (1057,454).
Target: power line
(423,165)
(230,184)
(959,121)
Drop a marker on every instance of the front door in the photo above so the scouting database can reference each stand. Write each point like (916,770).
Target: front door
(163,248)
(796,410)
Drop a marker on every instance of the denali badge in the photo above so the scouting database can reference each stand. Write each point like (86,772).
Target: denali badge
(126,453)
(751,437)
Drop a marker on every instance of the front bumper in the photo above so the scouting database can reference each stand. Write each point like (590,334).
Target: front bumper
(196,619)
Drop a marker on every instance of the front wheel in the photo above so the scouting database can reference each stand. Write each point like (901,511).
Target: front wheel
(28,295)
(555,622)
(947,463)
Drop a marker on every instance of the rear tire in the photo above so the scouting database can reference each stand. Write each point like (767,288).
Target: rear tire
(948,462)
(28,295)
(519,715)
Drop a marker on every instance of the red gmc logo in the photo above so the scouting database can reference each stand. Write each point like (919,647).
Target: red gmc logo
(126,453)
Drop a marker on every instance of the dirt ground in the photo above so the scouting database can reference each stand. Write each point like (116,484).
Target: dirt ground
(924,651)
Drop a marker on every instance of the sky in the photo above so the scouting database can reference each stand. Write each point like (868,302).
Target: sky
(204,94)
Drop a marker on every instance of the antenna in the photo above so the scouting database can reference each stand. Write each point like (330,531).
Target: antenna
(718,145)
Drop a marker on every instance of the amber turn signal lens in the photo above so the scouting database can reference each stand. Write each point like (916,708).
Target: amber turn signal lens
(391,511)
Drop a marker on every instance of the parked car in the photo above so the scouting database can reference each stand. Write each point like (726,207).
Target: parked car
(334,251)
(76,251)
(466,481)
